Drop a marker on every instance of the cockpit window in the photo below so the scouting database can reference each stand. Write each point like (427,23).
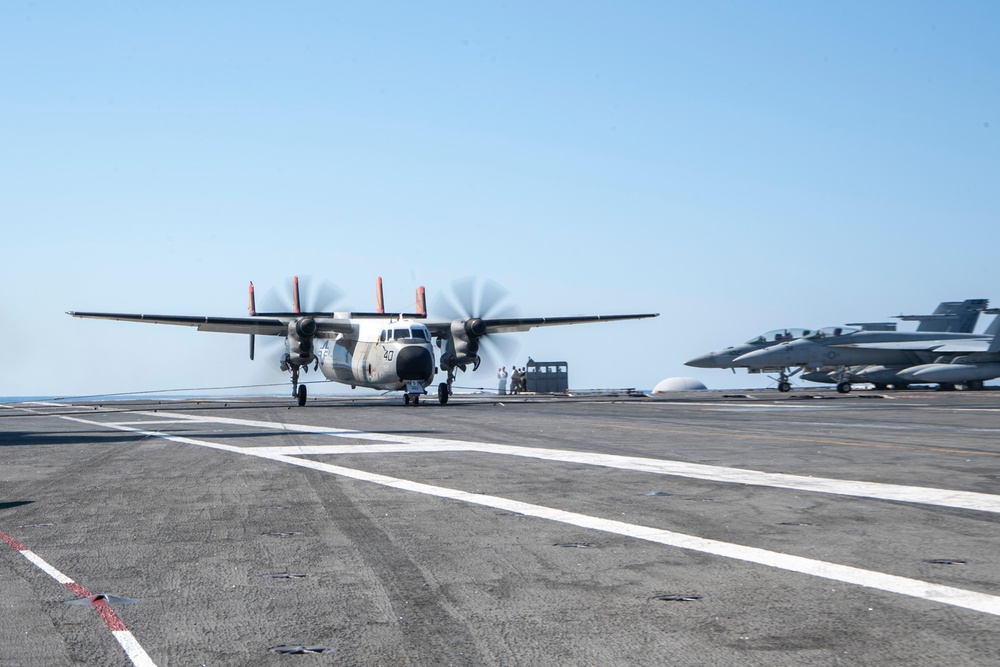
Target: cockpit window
(779,335)
(418,331)
(831,332)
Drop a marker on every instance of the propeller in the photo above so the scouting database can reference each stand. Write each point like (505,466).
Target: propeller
(486,299)
(314,296)
(306,295)
(469,297)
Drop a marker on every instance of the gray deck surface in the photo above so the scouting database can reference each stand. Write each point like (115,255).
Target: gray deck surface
(508,531)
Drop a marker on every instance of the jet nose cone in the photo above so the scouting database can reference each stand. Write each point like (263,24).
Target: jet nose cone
(703,361)
(414,362)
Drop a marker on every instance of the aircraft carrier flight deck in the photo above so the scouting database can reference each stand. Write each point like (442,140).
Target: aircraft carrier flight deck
(701,528)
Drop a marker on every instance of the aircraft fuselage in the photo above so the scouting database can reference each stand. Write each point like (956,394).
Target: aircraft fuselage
(388,355)
(854,348)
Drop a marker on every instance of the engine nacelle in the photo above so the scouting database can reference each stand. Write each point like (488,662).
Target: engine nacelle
(463,344)
(300,341)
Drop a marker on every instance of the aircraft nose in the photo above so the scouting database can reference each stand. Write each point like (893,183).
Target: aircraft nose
(414,362)
(703,361)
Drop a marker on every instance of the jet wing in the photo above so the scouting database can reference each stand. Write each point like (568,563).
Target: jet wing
(944,346)
(513,324)
(263,326)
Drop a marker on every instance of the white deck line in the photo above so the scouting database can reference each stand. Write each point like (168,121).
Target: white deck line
(915,588)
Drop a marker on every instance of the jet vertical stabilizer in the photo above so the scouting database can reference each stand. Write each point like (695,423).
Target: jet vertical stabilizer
(950,316)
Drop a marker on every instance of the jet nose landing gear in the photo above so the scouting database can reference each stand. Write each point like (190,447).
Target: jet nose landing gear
(784,386)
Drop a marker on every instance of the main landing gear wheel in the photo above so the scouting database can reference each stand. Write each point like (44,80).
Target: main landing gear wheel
(443,393)
(843,387)
(302,395)
(406,399)
(783,379)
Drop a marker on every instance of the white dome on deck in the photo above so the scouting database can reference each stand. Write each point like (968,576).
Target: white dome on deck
(678,384)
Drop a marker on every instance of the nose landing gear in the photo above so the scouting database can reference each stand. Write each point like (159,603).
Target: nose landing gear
(784,386)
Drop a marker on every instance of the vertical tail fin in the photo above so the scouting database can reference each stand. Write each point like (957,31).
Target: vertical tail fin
(253,311)
(295,295)
(952,316)
(379,301)
(967,313)
(421,302)
(994,328)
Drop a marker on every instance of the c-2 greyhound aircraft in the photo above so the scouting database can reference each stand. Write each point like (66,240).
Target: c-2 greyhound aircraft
(390,352)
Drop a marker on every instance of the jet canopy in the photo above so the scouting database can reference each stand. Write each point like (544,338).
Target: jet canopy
(831,332)
(779,335)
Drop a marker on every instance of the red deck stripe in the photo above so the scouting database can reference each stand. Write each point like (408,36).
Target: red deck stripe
(78,589)
(108,615)
(12,542)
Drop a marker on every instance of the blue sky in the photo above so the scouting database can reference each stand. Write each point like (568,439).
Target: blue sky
(735,166)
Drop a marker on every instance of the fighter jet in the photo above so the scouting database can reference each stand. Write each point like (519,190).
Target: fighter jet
(958,316)
(842,348)
(724,358)
(971,363)
(949,316)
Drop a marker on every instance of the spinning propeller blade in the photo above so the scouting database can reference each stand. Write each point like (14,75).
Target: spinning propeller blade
(316,296)
(487,299)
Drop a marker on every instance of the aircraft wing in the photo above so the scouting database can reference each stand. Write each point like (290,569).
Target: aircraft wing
(263,326)
(512,324)
(944,346)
